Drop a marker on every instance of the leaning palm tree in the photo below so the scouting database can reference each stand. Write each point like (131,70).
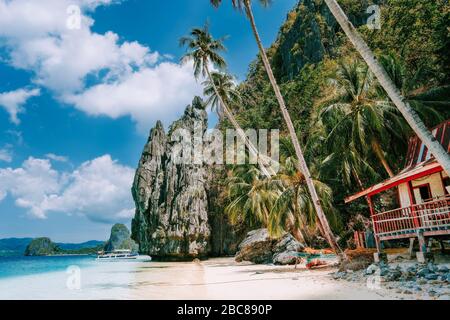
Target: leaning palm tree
(226,87)
(204,50)
(301,164)
(388,85)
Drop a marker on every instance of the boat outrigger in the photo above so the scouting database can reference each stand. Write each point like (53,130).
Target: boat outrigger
(121,255)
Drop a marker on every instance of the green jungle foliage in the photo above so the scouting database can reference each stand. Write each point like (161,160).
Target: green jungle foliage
(352,133)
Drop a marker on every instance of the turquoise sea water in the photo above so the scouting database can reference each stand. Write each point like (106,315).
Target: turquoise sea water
(22,266)
(38,278)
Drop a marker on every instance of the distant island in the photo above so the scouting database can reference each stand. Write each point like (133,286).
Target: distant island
(45,247)
(10,247)
(120,238)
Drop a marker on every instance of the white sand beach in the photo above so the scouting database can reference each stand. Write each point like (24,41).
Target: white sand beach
(223,278)
(220,278)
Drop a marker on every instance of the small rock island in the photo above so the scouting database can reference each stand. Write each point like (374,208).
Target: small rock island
(42,247)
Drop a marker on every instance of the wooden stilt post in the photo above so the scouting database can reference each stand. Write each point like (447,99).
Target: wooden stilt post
(423,256)
(378,244)
(441,243)
(422,243)
(429,244)
(375,227)
(411,247)
(379,256)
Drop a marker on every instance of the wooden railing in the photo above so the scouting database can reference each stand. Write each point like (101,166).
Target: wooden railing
(429,215)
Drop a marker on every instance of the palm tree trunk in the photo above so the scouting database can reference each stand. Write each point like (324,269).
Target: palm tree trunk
(297,232)
(319,226)
(266,170)
(302,166)
(379,153)
(393,92)
(358,180)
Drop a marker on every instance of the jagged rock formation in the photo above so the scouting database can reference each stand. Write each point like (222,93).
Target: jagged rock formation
(120,239)
(171,219)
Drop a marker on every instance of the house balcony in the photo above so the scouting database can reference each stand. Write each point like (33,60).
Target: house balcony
(430,218)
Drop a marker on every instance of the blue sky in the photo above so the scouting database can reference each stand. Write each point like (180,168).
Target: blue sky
(76,104)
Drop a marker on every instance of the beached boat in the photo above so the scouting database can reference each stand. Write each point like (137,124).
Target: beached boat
(121,255)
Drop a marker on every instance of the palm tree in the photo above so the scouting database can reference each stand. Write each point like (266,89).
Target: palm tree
(251,198)
(227,90)
(347,166)
(388,85)
(301,164)
(426,101)
(294,207)
(203,50)
(357,117)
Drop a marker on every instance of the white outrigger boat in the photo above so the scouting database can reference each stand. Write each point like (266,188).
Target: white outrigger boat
(122,255)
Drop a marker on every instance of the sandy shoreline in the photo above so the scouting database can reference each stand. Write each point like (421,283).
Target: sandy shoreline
(223,278)
(220,278)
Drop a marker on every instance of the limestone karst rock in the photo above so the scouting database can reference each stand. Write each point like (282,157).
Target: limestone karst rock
(310,34)
(120,239)
(41,247)
(171,219)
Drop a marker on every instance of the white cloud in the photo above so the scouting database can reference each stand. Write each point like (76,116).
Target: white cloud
(159,93)
(5,154)
(147,87)
(27,19)
(13,102)
(56,158)
(98,189)
(30,184)
(62,63)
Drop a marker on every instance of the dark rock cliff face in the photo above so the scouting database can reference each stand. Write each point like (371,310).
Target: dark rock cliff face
(310,33)
(305,38)
(171,219)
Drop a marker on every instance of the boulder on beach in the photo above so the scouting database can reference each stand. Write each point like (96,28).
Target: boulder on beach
(256,247)
(260,248)
(285,250)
